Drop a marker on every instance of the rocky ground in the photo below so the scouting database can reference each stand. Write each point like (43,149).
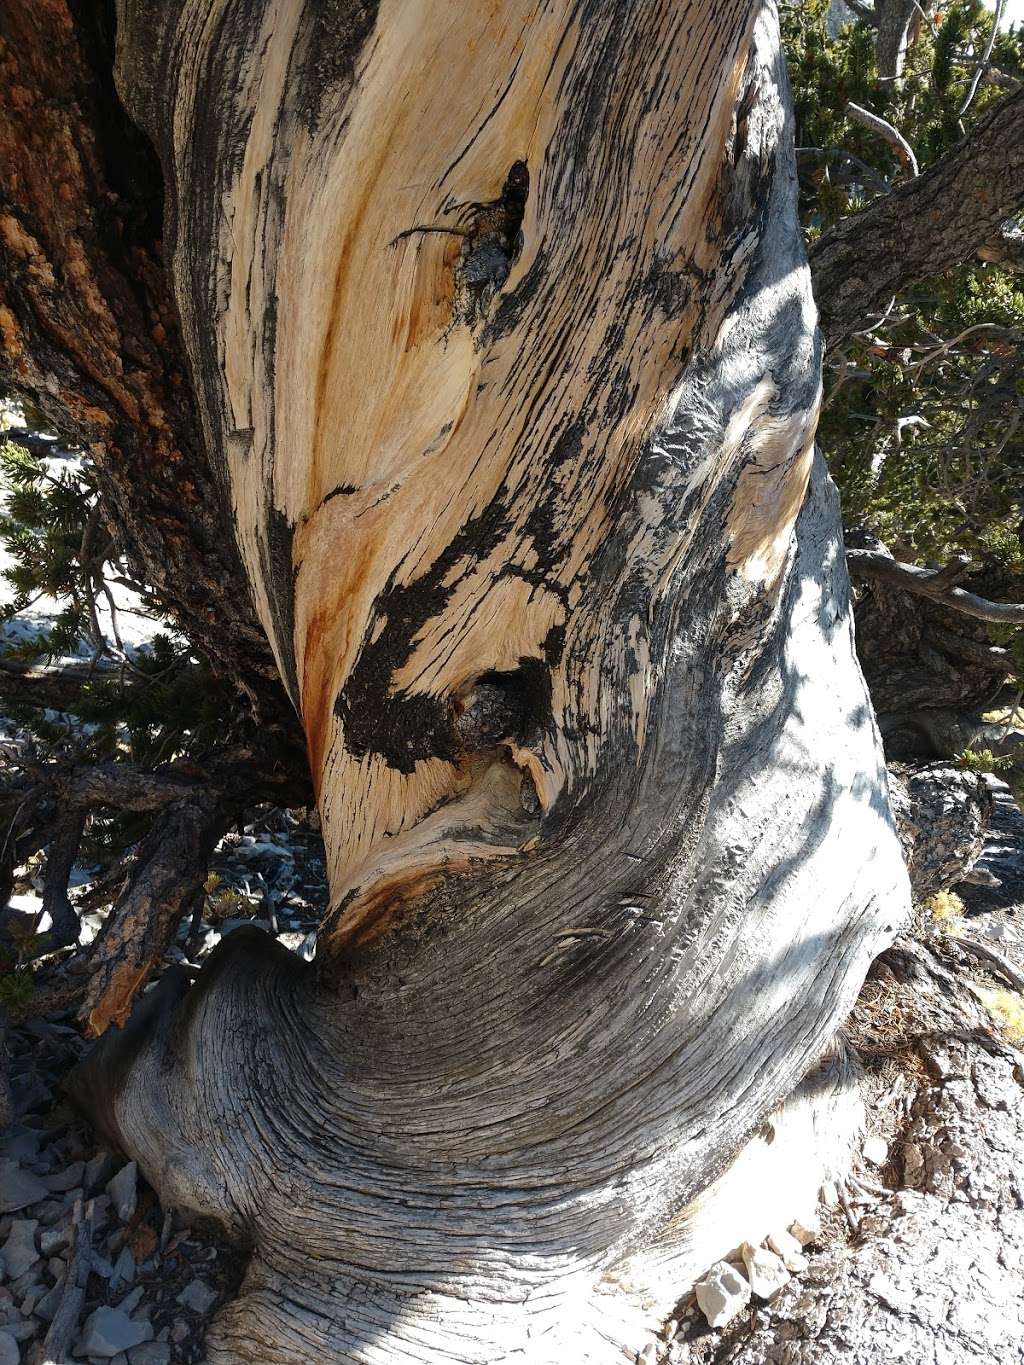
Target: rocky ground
(919,1257)
(138,1286)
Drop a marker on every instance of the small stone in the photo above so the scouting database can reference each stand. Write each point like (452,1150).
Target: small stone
(830,1195)
(53,1210)
(806,1231)
(108,1331)
(22,1145)
(123,1191)
(875,1151)
(19,1251)
(18,1188)
(124,1269)
(179,1332)
(50,1302)
(101,1266)
(100,1211)
(198,1296)
(55,1239)
(68,1178)
(28,1304)
(648,1354)
(131,1301)
(765,1271)
(722,1294)
(152,1353)
(784,1244)
(22,1330)
(98,1170)
(9,1352)
(671,1328)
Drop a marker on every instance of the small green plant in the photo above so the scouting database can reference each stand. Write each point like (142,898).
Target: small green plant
(17,985)
(983,761)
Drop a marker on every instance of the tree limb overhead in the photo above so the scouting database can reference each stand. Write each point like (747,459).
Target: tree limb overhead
(929,583)
(943,217)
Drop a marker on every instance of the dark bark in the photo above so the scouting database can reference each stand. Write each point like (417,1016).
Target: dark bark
(931,669)
(943,816)
(937,221)
(89,330)
(60,859)
(897,23)
(169,870)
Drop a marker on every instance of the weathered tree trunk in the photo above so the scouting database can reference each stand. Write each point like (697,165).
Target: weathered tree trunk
(504,350)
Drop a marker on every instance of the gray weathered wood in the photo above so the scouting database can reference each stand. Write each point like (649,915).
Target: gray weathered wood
(502,328)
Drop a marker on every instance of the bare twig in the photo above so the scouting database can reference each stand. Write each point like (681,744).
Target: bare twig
(888,132)
(1002,965)
(64,1326)
(972,90)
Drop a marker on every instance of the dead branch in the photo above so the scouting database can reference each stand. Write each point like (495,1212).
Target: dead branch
(871,564)
(64,1326)
(888,132)
(170,868)
(58,687)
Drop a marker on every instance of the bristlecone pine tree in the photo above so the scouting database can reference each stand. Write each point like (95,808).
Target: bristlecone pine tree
(465,380)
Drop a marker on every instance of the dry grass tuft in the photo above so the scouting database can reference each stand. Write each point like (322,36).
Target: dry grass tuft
(1007,1010)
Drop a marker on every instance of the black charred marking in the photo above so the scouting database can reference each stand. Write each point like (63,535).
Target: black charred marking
(494,710)
(337,33)
(280,581)
(405,728)
(340,490)
(495,242)
(512,705)
(668,289)
(745,178)
(512,306)
(554,646)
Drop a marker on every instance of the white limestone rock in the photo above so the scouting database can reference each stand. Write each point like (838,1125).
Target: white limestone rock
(765,1271)
(875,1151)
(806,1231)
(18,1188)
(19,1251)
(786,1246)
(123,1191)
(108,1332)
(721,1294)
